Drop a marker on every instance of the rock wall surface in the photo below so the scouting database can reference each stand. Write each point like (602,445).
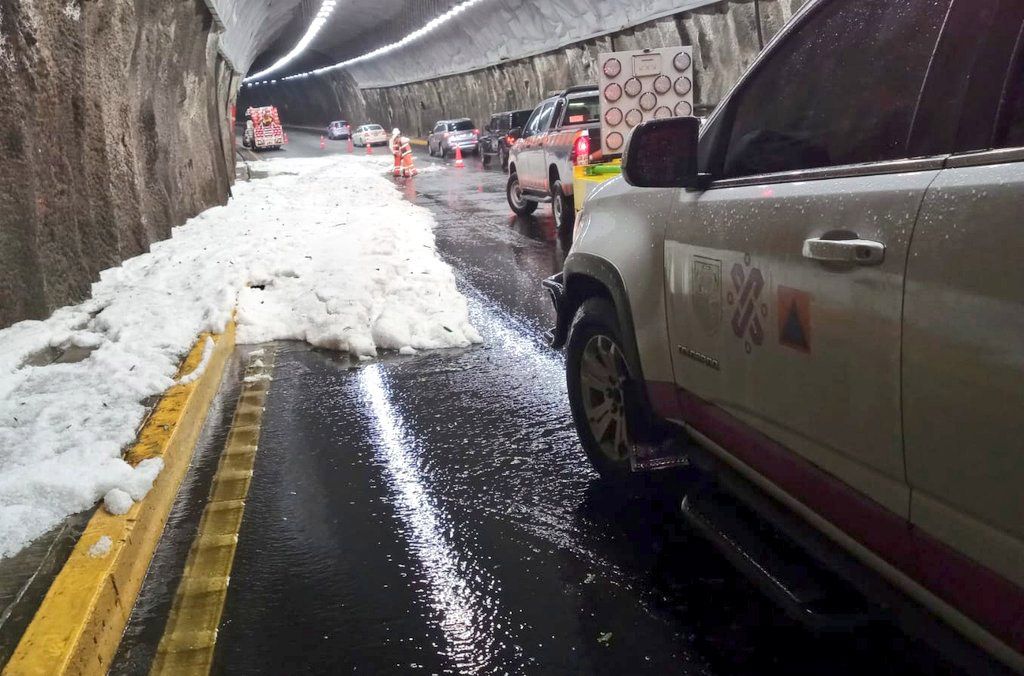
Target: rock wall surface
(726,37)
(113,128)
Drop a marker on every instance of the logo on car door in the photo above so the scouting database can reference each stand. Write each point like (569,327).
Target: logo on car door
(748,283)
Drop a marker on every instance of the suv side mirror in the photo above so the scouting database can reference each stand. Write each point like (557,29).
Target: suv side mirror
(663,154)
(516,132)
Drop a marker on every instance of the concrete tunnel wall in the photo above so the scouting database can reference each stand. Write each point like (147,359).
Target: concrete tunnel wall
(726,37)
(114,127)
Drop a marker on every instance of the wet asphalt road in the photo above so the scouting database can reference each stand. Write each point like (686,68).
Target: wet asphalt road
(435,514)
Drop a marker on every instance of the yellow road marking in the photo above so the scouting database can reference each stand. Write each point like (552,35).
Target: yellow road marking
(418,141)
(78,626)
(190,637)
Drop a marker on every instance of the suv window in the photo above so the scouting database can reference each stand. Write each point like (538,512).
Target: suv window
(462,125)
(519,119)
(439,127)
(496,122)
(583,110)
(841,89)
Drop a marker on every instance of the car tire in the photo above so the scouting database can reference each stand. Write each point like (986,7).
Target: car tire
(444,152)
(485,159)
(514,194)
(503,156)
(563,207)
(605,399)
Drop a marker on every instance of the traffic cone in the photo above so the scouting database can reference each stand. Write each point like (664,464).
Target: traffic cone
(350,148)
(459,164)
(369,149)
(322,146)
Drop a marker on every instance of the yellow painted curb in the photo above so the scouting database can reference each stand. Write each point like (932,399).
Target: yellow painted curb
(78,627)
(418,141)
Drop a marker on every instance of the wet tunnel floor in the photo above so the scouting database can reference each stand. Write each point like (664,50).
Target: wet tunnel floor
(435,514)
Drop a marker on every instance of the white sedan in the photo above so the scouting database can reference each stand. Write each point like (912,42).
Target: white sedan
(370,134)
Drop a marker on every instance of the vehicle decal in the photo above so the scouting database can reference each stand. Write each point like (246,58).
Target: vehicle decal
(748,282)
(706,292)
(794,310)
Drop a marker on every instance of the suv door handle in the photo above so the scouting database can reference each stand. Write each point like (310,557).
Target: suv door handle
(858,251)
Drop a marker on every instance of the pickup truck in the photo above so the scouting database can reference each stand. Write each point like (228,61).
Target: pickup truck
(564,130)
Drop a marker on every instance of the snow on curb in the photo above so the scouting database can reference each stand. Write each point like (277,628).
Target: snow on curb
(201,369)
(323,250)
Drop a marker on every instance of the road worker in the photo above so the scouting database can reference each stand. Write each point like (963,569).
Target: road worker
(408,168)
(396,150)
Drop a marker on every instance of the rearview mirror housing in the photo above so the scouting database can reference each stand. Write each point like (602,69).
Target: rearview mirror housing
(663,154)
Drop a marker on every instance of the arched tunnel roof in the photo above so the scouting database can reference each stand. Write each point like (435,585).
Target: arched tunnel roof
(486,33)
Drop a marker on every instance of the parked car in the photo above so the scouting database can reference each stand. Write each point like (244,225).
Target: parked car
(339,129)
(370,134)
(451,134)
(562,131)
(498,135)
(823,287)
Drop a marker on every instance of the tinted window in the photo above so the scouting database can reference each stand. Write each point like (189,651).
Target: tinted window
(439,127)
(375,127)
(463,125)
(583,110)
(519,118)
(1011,126)
(842,89)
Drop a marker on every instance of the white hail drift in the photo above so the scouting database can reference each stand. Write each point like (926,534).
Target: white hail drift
(322,250)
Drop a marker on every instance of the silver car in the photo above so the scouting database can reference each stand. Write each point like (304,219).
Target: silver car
(824,295)
(451,134)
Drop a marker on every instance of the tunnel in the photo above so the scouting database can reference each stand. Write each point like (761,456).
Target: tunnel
(118,119)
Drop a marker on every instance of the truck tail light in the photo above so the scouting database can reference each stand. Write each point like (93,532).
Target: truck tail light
(476,132)
(581,148)
(510,139)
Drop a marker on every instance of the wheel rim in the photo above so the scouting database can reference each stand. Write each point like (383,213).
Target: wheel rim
(556,205)
(516,192)
(602,383)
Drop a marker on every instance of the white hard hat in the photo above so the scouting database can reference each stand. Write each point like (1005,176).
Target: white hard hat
(395,132)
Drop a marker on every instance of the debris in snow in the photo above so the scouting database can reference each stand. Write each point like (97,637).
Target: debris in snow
(256,378)
(258,364)
(117,502)
(590,578)
(258,353)
(604,638)
(64,426)
(101,548)
(407,349)
(199,370)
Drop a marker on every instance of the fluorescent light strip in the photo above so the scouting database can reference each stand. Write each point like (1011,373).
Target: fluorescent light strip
(326,7)
(431,26)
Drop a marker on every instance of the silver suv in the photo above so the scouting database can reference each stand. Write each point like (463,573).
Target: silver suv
(825,292)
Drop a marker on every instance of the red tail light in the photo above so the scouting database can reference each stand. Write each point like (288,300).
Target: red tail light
(510,139)
(581,149)
(446,136)
(476,132)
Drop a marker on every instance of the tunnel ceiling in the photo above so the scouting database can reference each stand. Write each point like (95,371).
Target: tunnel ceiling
(488,32)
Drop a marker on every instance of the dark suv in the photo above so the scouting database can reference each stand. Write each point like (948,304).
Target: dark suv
(497,139)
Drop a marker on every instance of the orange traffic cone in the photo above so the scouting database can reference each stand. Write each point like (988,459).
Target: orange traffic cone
(459,164)
(350,148)
(322,146)
(369,149)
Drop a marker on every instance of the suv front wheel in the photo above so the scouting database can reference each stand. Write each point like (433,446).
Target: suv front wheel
(605,399)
